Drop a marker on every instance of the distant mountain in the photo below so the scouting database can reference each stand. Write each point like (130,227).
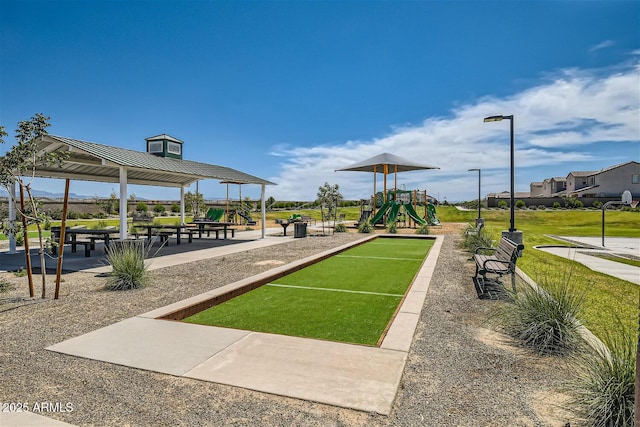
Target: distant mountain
(46,194)
(49,195)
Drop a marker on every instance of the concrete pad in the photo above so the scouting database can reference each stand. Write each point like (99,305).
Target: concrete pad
(352,376)
(155,345)
(612,268)
(400,334)
(29,419)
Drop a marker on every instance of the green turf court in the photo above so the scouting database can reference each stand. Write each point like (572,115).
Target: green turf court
(349,297)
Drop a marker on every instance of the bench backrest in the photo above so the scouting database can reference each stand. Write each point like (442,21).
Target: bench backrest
(508,250)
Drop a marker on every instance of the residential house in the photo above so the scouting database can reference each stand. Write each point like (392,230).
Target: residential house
(607,182)
(554,187)
(577,180)
(535,189)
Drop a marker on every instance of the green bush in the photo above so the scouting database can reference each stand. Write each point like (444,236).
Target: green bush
(502,204)
(159,209)
(542,207)
(392,228)
(128,267)
(365,227)
(556,205)
(142,207)
(100,225)
(520,204)
(340,228)
(602,391)
(597,204)
(424,229)
(175,208)
(472,240)
(543,319)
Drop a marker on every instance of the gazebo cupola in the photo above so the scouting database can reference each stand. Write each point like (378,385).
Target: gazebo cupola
(164,146)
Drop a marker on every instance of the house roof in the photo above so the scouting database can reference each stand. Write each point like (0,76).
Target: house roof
(615,167)
(582,173)
(89,161)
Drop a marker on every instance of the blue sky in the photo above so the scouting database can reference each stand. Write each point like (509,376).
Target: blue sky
(291,91)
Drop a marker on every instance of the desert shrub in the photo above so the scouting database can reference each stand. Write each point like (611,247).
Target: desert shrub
(100,215)
(142,207)
(72,215)
(392,228)
(520,204)
(533,207)
(542,207)
(159,209)
(128,267)
(472,240)
(543,318)
(100,225)
(340,228)
(424,229)
(5,285)
(175,208)
(597,204)
(502,204)
(602,391)
(556,205)
(365,227)
(572,202)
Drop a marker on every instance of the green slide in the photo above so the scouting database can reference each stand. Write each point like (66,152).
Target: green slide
(431,215)
(414,215)
(393,213)
(383,210)
(214,214)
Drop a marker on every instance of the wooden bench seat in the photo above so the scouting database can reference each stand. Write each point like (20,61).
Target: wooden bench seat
(89,245)
(500,263)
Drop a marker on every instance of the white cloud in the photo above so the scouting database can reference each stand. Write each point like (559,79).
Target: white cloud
(575,109)
(602,45)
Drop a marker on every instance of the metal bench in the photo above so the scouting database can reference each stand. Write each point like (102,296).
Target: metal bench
(501,262)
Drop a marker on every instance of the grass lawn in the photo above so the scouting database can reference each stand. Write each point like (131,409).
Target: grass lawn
(610,303)
(350,297)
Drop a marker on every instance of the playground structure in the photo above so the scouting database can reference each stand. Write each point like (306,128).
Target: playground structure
(400,206)
(394,201)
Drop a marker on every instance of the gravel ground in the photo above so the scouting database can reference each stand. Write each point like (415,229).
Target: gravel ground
(458,372)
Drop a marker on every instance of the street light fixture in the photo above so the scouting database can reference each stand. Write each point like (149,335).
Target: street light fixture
(512,227)
(479,195)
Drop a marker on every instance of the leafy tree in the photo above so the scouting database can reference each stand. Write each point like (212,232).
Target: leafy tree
(19,165)
(195,201)
(159,209)
(520,204)
(142,207)
(175,208)
(269,202)
(111,205)
(329,198)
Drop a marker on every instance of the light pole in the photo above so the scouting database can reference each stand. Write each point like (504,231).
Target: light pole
(515,236)
(479,219)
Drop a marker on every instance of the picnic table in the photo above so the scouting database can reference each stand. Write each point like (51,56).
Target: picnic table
(165,231)
(71,237)
(216,226)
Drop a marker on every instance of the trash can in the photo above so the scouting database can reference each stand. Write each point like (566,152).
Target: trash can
(300,229)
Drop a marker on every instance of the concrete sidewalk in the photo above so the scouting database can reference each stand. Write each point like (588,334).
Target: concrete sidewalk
(593,245)
(353,376)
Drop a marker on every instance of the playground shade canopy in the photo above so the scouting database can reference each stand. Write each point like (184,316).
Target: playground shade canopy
(377,163)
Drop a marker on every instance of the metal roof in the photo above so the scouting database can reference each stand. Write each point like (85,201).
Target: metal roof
(402,164)
(89,161)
